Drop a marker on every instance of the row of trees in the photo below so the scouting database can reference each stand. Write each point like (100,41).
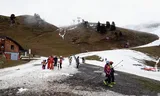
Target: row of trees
(103,28)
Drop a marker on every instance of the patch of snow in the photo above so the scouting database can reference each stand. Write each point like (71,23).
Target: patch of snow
(94,93)
(62,31)
(22,90)
(72,28)
(33,77)
(129,57)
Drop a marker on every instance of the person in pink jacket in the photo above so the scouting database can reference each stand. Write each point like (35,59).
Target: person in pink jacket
(107,70)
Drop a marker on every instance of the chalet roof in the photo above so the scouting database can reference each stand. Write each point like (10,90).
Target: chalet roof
(6,37)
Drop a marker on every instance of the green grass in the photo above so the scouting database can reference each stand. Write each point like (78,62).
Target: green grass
(11,63)
(93,57)
(151,51)
(150,85)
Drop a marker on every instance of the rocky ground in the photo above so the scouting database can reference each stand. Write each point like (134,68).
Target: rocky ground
(88,82)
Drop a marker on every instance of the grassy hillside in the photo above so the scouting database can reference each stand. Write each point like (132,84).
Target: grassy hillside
(43,37)
(90,39)
(43,40)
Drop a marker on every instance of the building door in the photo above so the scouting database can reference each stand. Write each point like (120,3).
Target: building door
(14,56)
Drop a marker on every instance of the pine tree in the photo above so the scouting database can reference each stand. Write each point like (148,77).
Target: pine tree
(12,18)
(113,27)
(108,25)
(103,29)
(98,26)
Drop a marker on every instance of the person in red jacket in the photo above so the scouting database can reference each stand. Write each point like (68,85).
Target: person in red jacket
(107,70)
(51,62)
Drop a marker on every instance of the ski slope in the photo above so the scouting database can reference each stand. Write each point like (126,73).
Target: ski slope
(152,27)
(132,61)
(30,76)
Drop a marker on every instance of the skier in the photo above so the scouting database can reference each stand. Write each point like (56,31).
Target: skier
(50,62)
(70,60)
(83,60)
(107,70)
(77,61)
(112,73)
(60,61)
(43,64)
(55,60)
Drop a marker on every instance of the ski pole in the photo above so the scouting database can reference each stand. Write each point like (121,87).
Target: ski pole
(118,64)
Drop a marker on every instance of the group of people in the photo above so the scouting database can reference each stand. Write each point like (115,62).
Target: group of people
(109,71)
(51,62)
(108,68)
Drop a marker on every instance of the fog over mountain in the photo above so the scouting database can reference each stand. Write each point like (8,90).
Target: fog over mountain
(64,12)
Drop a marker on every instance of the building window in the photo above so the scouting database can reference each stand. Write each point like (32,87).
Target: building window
(2,45)
(12,47)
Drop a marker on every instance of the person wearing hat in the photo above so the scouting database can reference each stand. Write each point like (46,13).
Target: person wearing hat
(43,64)
(112,73)
(107,70)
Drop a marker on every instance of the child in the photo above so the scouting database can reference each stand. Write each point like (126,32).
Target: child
(112,73)
(43,64)
(107,70)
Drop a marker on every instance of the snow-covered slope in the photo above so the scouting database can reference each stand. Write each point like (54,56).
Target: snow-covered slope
(31,74)
(132,61)
(153,28)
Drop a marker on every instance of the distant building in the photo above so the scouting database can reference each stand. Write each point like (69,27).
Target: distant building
(10,48)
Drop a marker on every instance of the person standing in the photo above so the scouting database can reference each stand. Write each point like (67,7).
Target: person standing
(112,73)
(83,60)
(44,64)
(51,63)
(107,71)
(77,61)
(70,60)
(60,61)
(55,60)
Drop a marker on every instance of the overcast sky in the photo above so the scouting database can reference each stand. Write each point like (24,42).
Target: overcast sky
(63,12)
